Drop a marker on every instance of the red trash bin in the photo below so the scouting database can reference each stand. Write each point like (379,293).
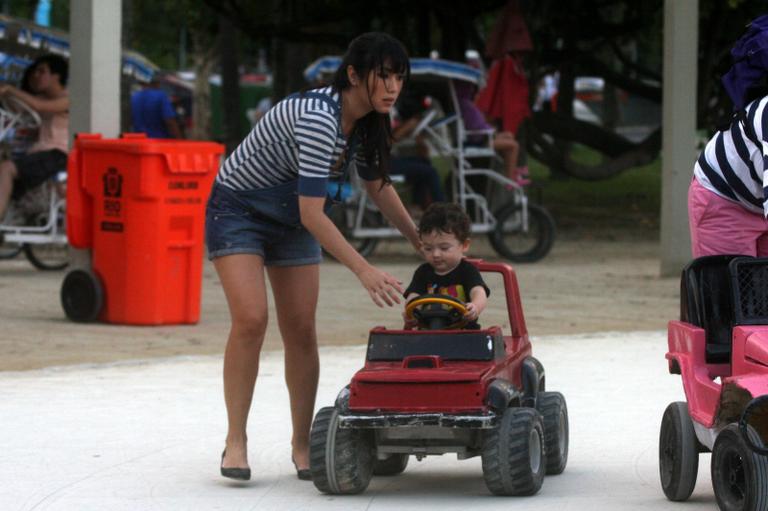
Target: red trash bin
(139,205)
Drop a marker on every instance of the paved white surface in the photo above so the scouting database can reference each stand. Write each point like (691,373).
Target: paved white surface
(148,435)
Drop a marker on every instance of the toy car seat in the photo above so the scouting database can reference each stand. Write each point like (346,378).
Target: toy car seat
(750,293)
(707,302)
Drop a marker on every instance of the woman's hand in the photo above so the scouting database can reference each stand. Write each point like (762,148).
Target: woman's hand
(381,286)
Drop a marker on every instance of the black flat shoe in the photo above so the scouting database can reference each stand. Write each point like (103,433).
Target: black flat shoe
(241,474)
(302,473)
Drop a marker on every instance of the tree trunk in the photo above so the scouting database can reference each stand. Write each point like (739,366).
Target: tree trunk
(204,59)
(230,84)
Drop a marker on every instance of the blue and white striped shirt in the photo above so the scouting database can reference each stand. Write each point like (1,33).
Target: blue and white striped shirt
(299,138)
(733,166)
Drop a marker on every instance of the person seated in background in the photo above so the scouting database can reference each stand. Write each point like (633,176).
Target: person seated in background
(502,142)
(415,165)
(152,112)
(48,155)
(444,233)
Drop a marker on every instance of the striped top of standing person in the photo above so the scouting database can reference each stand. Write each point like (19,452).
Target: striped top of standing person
(300,138)
(734,163)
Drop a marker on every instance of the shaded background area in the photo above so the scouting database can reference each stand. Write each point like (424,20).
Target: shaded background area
(219,58)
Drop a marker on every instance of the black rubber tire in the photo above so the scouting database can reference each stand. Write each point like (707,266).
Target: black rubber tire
(82,296)
(9,251)
(342,215)
(678,453)
(513,454)
(47,256)
(739,476)
(510,242)
(341,460)
(393,465)
(554,411)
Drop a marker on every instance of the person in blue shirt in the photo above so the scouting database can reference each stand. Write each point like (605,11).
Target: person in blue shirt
(152,112)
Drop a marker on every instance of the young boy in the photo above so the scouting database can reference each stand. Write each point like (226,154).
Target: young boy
(444,235)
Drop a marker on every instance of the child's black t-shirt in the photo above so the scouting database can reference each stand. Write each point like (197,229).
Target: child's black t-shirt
(457,283)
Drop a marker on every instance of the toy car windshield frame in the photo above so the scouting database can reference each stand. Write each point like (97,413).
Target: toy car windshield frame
(388,346)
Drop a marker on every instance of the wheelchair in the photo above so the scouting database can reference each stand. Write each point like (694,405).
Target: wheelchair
(498,206)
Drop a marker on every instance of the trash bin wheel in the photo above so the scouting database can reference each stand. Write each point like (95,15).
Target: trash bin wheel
(82,296)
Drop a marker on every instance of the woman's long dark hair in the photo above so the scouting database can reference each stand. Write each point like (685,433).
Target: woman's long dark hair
(368,52)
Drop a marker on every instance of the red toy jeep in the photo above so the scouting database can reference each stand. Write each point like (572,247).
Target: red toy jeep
(438,390)
(720,349)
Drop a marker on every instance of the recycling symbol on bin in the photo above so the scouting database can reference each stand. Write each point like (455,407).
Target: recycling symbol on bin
(113,183)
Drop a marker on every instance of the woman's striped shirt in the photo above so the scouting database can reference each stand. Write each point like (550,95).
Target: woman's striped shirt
(298,138)
(733,166)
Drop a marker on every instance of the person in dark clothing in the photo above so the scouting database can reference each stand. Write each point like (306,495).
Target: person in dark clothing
(152,112)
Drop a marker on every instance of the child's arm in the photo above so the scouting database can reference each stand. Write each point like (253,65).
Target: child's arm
(477,302)
(409,323)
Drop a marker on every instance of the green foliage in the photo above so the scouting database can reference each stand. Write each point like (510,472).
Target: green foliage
(622,207)
(156,28)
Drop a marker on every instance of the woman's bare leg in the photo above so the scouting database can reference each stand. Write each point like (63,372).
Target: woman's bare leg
(242,277)
(509,148)
(295,289)
(7,175)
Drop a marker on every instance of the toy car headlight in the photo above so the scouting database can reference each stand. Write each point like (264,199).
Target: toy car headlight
(342,400)
(499,394)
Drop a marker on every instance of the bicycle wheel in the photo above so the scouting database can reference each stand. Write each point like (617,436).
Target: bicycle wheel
(343,216)
(47,256)
(512,241)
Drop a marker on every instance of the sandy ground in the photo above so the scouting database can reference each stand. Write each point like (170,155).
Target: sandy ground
(581,287)
(146,436)
(123,422)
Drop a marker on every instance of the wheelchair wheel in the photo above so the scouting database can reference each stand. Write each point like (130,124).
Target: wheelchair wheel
(82,296)
(511,241)
(9,251)
(343,216)
(47,256)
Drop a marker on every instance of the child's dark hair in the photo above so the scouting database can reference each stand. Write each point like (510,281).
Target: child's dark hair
(445,217)
(368,52)
(56,63)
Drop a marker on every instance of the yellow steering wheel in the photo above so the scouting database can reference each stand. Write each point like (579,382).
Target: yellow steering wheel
(437,312)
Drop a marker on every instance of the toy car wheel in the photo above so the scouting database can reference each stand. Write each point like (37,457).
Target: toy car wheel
(341,460)
(739,475)
(513,454)
(678,453)
(553,409)
(82,296)
(391,466)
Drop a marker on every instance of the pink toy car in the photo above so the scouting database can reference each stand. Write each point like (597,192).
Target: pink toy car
(720,348)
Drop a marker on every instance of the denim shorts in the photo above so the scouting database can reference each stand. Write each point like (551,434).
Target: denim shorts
(264,222)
